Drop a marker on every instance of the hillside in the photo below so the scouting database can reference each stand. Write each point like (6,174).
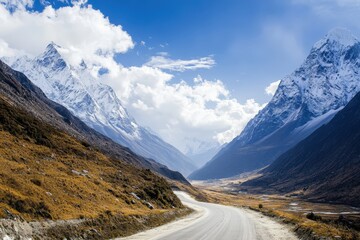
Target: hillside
(96,104)
(51,171)
(304,101)
(323,167)
(18,89)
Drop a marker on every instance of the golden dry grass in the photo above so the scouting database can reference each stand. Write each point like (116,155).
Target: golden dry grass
(72,181)
(47,174)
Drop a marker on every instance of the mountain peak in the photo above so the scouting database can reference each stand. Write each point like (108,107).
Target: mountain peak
(52,57)
(52,50)
(53,45)
(304,101)
(341,36)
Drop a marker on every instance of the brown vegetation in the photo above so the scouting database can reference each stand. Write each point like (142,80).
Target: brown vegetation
(47,174)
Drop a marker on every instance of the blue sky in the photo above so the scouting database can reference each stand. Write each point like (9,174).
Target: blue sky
(160,54)
(253,42)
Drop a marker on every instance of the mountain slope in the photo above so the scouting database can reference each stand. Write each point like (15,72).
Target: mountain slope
(305,100)
(20,91)
(51,171)
(97,105)
(324,166)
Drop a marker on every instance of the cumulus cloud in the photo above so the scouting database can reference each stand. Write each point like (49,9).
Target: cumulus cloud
(6,51)
(271,89)
(85,32)
(163,62)
(201,110)
(79,2)
(44,2)
(179,111)
(13,5)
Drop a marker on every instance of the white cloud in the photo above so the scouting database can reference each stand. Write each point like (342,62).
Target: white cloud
(6,51)
(202,111)
(179,111)
(45,2)
(79,2)
(83,31)
(164,54)
(13,5)
(271,89)
(163,62)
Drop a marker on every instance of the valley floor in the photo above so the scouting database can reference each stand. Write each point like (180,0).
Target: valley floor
(214,222)
(308,219)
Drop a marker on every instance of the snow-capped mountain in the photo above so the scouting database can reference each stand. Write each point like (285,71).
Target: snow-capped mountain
(324,166)
(96,104)
(200,152)
(308,98)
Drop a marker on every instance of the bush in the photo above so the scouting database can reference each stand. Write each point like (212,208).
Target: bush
(36,209)
(313,216)
(108,213)
(37,182)
(260,206)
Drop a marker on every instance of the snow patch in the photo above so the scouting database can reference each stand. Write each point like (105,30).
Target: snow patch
(318,121)
(317,90)
(340,36)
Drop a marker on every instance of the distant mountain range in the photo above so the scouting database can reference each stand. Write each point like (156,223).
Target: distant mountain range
(21,93)
(304,101)
(201,152)
(96,104)
(323,167)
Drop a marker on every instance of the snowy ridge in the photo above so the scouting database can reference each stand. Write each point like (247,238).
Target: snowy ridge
(317,121)
(77,90)
(96,104)
(328,79)
(304,101)
(338,36)
(200,152)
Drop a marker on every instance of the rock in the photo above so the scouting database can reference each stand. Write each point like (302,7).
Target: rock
(149,205)
(135,196)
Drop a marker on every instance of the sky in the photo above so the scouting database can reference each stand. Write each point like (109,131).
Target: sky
(194,71)
(253,42)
